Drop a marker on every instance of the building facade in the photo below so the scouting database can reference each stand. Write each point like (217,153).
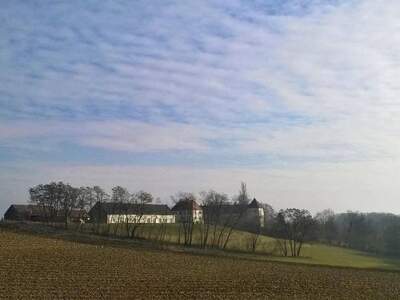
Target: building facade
(35,213)
(111,213)
(140,218)
(249,217)
(254,215)
(188,211)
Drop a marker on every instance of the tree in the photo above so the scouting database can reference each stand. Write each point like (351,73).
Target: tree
(56,200)
(292,228)
(185,217)
(269,216)
(391,237)
(120,197)
(86,198)
(68,201)
(100,197)
(327,228)
(100,194)
(138,201)
(213,204)
(120,194)
(243,197)
(279,231)
(44,197)
(356,230)
(143,197)
(253,238)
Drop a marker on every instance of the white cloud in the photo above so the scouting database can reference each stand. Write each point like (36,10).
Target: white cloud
(318,85)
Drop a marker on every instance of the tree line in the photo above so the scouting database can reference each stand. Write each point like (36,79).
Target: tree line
(372,232)
(222,215)
(377,233)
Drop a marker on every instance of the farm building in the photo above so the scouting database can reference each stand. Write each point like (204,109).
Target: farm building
(20,212)
(109,212)
(35,213)
(249,217)
(188,211)
(254,214)
(246,217)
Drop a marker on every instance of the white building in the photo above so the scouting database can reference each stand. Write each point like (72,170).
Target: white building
(110,212)
(188,211)
(140,218)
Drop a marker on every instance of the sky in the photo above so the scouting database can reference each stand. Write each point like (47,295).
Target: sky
(299,99)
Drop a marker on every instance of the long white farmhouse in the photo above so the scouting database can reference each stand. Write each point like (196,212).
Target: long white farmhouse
(109,212)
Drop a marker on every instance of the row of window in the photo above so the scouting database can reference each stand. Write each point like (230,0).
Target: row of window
(139,219)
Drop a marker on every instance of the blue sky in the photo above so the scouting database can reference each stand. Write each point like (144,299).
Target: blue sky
(298,98)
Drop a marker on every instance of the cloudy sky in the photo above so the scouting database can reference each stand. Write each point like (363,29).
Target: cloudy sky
(298,98)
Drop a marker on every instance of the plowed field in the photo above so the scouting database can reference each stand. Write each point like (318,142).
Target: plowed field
(46,268)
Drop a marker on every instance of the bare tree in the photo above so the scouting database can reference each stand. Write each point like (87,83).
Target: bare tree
(292,228)
(185,217)
(56,200)
(253,238)
(139,200)
(243,197)
(42,196)
(235,216)
(120,197)
(69,201)
(100,197)
(212,203)
(221,217)
(327,229)
(86,198)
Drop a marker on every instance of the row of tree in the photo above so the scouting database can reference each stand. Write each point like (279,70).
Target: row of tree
(57,199)
(221,215)
(373,232)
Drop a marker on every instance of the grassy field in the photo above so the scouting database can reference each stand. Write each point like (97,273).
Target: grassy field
(312,253)
(35,266)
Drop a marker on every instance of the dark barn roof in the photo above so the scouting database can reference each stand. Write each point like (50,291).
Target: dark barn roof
(186,205)
(232,208)
(22,212)
(132,208)
(254,204)
(24,208)
(35,212)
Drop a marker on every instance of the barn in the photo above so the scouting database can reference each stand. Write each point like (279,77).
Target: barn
(21,212)
(110,212)
(35,213)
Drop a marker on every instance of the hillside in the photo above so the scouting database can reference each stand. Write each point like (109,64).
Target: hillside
(312,253)
(35,266)
(238,246)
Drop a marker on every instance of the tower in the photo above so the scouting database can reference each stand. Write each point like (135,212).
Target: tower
(255,212)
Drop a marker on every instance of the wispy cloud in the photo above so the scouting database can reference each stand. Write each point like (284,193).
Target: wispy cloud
(250,83)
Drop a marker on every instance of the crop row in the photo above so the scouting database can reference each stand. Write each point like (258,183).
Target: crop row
(39,267)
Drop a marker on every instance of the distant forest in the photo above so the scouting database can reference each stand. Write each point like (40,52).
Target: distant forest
(377,233)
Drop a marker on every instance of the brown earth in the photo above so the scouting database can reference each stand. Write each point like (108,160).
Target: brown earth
(34,266)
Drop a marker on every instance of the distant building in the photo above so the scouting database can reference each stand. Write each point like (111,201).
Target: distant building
(188,211)
(247,217)
(110,212)
(20,212)
(254,214)
(35,213)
